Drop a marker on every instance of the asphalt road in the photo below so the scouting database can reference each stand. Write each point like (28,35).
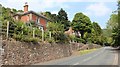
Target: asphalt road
(102,56)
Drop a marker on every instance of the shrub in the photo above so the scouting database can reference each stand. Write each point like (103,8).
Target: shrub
(18,37)
(51,40)
(80,40)
(28,39)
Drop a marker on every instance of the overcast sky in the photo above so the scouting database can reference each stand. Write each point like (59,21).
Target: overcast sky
(98,11)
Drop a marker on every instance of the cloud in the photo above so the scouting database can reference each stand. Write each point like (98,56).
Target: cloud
(54,12)
(39,5)
(97,9)
(48,3)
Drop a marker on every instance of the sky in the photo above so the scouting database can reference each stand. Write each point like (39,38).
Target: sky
(97,10)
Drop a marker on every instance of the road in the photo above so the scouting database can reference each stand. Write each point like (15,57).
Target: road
(102,56)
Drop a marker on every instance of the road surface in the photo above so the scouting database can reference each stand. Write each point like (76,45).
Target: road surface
(102,56)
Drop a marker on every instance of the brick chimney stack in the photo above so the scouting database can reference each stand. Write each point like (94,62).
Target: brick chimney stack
(26,7)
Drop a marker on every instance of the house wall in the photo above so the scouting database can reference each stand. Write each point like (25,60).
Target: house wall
(34,17)
(17,17)
(43,22)
(25,18)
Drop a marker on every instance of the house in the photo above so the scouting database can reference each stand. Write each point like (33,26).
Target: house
(72,32)
(28,16)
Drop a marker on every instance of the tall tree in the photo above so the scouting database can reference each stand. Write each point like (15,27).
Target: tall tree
(116,29)
(96,36)
(97,28)
(57,31)
(112,23)
(81,23)
(63,19)
(52,17)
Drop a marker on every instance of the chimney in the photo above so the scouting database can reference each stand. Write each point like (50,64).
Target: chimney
(26,7)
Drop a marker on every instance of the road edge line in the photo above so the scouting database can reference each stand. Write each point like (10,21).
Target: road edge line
(115,62)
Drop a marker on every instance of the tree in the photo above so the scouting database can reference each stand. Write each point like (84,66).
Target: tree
(81,23)
(57,31)
(60,18)
(52,17)
(47,14)
(63,19)
(114,26)
(97,28)
(96,33)
(112,23)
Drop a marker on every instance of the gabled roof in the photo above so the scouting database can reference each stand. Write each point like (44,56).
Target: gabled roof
(22,14)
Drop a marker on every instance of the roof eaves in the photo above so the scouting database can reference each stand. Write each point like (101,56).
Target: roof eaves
(21,14)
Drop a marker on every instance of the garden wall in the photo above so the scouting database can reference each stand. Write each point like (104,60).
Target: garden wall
(21,53)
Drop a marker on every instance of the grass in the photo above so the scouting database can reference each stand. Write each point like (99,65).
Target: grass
(82,52)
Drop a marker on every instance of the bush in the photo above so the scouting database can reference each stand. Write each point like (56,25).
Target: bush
(21,37)
(18,37)
(51,40)
(27,39)
(80,40)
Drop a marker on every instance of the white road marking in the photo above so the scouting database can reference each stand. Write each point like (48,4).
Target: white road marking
(76,64)
(115,62)
(87,59)
(92,56)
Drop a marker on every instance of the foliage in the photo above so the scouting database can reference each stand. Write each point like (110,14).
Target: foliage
(79,40)
(82,52)
(116,36)
(113,21)
(57,31)
(24,38)
(97,28)
(90,32)
(27,39)
(21,32)
(55,27)
(81,23)
(17,37)
(111,24)
(51,40)
(52,17)
(60,18)
(97,34)
(113,27)
(63,19)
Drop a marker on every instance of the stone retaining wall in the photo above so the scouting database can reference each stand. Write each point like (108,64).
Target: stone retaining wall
(18,53)
(21,53)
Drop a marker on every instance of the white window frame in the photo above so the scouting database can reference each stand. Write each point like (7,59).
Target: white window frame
(41,27)
(38,20)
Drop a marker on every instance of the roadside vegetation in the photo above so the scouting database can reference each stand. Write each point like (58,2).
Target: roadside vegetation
(82,52)
(90,32)
(113,28)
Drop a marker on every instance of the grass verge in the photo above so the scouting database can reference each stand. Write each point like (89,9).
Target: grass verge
(82,52)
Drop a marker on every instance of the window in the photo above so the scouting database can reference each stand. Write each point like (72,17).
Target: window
(41,27)
(28,18)
(38,20)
